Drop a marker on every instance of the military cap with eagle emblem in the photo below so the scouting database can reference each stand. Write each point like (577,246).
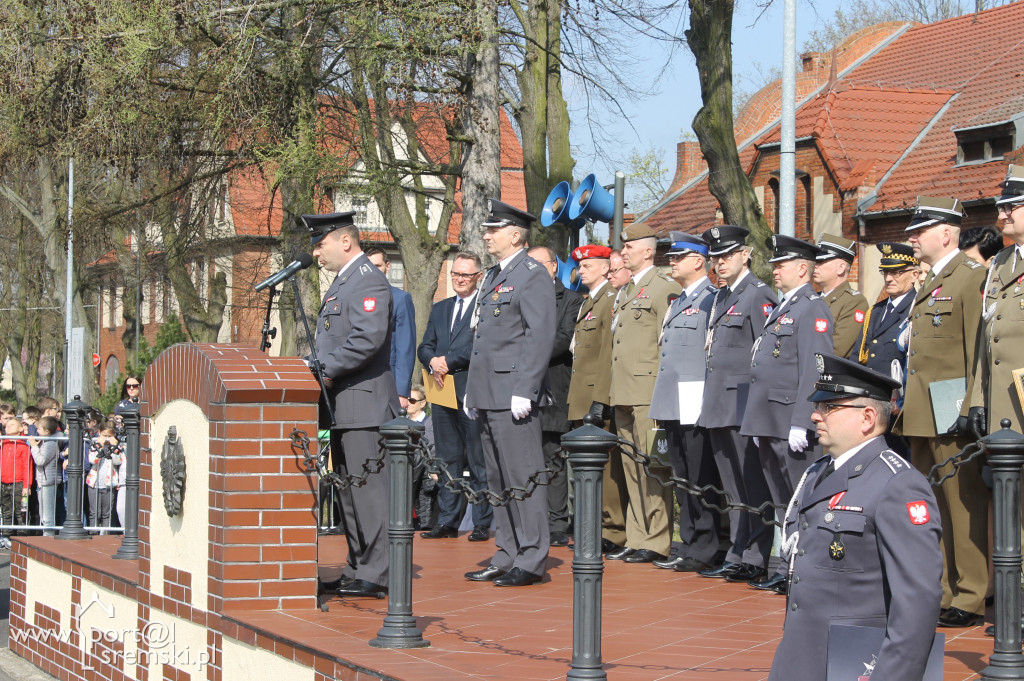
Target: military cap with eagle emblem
(320,226)
(840,378)
(502,215)
(683,243)
(832,246)
(581,253)
(896,256)
(725,238)
(1013,186)
(788,248)
(638,230)
(932,210)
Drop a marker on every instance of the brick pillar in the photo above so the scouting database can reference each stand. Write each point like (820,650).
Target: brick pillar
(257,526)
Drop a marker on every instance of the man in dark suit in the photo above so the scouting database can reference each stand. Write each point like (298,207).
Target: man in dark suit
(555,416)
(862,533)
(403,329)
(445,351)
(515,325)
(353,340)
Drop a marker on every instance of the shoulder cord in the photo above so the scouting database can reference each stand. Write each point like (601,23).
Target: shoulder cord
(862,357)
(789,543)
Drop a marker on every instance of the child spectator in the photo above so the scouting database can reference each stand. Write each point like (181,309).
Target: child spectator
(15,476)
(51,407)
(45,455)
(424,481)
(104,459)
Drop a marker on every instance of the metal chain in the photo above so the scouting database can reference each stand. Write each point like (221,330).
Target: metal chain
(961,458)
(458,485)
(765,511)
(318,462)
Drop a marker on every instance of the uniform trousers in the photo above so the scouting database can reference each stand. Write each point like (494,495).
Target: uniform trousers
(457,443)
(739,466)
(365,508)
(648,515)
(783,467)
(963,505)
(512,453)
(689,450)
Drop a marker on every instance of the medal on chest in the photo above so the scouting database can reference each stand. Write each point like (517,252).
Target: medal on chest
(836,550)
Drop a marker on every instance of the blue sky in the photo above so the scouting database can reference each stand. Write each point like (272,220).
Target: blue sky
(658,120)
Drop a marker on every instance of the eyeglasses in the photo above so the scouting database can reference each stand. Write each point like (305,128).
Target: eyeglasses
(464,275)
(1008,209)
(682,256)
(895,274)
(614,271)
(826,408)
(131,385)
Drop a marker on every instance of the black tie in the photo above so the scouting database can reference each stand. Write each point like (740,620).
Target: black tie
(458,317)
(889,309)
(829,470)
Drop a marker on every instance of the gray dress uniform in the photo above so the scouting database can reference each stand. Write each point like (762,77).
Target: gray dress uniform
(782,375)
(515,333)
(739,317)
(353,342)
(867,554)
(682,358)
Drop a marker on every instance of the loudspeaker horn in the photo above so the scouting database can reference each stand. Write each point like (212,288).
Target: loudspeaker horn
(592,201)
(556,208)
(568,273)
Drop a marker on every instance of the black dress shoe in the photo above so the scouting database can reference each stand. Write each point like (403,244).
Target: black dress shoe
(360,588)
(441,532)
(746,573)
(957,618)
(559,539)
(479,534)
(768,583)
(608,546)
(720,572)
(619,554)
(517,577)
(669,563)
(488,574)
(689,564)
(643,556)
(338,583)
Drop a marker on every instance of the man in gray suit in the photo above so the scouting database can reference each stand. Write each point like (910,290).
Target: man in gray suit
(782,372)
(862,535)
(676,406)
(353,344)
(515,325)
(741,306)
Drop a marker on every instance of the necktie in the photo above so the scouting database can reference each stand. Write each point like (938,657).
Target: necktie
(889,309)
(458,316)
(928,279)
(629,288)
(829,470)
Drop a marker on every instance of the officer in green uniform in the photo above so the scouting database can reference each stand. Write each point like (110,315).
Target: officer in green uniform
(847,304)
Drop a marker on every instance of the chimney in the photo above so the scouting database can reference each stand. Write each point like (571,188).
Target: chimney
(812,61)
(689,163)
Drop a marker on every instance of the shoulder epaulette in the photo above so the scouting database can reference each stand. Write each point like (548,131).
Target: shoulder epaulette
(853,291)
(710,289)
(894,461)
(530,264)
(973,264)
(666,278)
(364,269)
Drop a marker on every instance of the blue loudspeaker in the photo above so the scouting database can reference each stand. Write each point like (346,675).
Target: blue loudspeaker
(556,208)
(592,201)
(569,274)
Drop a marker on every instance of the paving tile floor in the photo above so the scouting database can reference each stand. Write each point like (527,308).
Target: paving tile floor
(657,624)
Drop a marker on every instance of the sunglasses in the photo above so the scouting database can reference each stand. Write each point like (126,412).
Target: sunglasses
(132,385)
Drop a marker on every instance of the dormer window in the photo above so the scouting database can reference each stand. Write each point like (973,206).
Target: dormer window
(984,143)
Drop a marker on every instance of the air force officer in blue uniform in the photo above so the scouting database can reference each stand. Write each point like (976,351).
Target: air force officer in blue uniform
(515,332)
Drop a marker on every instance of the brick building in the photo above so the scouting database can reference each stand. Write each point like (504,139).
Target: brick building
(898,110)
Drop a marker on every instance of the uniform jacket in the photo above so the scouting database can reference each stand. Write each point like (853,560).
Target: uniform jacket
(403,340)
(782,367)
(682,356)
(882,335)
(592,353)
(555,417)
(636,325)
(943,334)
(515,332)
(739,316)
(456,348)
(353,341)
(1000,344)
(847,306)
(867,555)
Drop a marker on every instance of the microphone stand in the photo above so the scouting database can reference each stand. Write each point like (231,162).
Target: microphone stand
(268,332)
(318,368)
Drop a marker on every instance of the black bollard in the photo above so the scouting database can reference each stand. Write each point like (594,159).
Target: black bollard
(1005,451)
(588,449)
(129,549)
(74,527)
(400,630)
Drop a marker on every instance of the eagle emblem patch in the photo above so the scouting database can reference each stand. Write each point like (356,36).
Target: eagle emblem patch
(821,325)
(918,511)
(858,316)
(369,304)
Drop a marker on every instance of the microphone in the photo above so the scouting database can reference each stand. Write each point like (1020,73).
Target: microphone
(301,262)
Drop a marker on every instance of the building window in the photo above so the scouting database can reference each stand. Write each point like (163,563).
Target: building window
(983,144)
(112,372)
(359,205)
(396,275)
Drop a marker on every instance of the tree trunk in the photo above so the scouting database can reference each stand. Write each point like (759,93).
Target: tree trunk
(709,38)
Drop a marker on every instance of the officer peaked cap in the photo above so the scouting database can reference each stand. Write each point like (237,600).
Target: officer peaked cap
(683,243)
(725,238)
(932,210)
(896,256)
(320,226)
(788,248)
(832,246)
(840,378)
(1013,186)
(503,215)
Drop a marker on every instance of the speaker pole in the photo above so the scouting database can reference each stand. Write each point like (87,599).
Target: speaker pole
(620,205)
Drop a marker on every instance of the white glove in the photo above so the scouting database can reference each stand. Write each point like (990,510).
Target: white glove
(797,439)
(757,441)
(521,407)
(470,412)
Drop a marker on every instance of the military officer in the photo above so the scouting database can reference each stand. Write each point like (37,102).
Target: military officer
(676,402)
(831,279)
(353,344)
(943,333)
(862,534)
(640,308)
(514,320)
(782,371)
(739,311)
(590,386)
